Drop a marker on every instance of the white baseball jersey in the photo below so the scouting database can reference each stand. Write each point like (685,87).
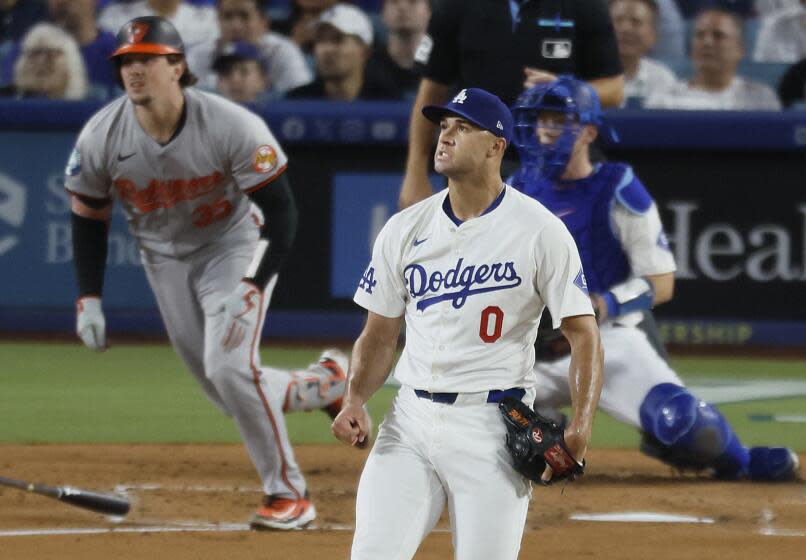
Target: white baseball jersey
(643,240)
(183,195)
(473,293)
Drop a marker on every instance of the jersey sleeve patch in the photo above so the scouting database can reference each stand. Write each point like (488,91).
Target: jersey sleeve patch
(265,159)
(663,241)
(632,194)
(368,282)
(73,164)
(581,283)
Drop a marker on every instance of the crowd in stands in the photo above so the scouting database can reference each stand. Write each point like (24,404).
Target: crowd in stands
(677,54)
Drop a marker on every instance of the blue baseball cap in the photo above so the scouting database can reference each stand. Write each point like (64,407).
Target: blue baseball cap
(237,51)
(478,106)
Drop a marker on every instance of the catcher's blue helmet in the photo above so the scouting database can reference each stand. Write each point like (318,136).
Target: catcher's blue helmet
(564,95)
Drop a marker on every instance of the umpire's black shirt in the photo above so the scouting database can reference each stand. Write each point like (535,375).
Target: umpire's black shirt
(487,43)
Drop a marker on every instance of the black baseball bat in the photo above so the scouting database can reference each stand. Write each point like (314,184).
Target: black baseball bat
(109,504)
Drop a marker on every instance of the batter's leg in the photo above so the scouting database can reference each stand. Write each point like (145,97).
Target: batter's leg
(320,386)
(400,497)
(256,407)
(183,317)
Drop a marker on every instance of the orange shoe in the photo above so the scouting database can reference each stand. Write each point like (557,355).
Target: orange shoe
(283,513)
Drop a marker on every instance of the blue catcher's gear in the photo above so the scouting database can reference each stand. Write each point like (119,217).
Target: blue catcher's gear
(688,433)
(581,105)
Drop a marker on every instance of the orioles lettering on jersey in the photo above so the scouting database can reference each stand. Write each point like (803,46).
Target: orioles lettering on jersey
(421,282)
(166,194)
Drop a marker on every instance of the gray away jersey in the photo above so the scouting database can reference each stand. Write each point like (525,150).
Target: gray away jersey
(186,194)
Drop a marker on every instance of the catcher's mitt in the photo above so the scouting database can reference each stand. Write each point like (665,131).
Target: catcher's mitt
(534,441)
(550,344)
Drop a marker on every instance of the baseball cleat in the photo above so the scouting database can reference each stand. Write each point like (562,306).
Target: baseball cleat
(283,514)
(337,362)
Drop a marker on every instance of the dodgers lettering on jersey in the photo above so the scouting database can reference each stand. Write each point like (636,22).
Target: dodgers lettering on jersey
(186,194)
(469,279)
(472,294)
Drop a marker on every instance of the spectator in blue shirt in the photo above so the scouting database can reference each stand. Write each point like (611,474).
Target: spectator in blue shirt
(18,16)
(78,17)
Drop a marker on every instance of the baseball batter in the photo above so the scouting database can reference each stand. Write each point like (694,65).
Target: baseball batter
(201,182)
(630,268)
(471,270)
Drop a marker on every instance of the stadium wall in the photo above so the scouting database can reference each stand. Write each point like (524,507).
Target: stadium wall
(729,187)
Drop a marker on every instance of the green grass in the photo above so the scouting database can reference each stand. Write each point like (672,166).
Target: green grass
(63,393)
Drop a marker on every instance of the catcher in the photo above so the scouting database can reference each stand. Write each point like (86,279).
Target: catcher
(630,268)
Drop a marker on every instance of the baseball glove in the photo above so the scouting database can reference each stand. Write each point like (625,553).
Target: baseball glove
(535,441)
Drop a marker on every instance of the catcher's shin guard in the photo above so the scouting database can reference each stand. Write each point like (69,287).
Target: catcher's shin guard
(773,464)
(688,433)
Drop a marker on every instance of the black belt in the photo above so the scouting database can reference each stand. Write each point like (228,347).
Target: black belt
(493,396)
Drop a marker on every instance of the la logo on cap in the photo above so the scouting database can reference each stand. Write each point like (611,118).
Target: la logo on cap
(499,126)
(460,97)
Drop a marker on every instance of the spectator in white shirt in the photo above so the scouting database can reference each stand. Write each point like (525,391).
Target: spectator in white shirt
(782,36)
(764,8)
(246,21)
(717,46)
(195,24)
(635,23)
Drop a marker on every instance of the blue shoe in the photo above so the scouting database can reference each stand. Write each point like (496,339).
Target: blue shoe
(773,464)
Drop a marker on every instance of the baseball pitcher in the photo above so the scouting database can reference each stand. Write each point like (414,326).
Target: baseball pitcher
(470,270)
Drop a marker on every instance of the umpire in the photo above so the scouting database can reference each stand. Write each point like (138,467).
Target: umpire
(505,46)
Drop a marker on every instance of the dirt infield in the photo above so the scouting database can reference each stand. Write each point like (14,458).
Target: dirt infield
(193,501)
